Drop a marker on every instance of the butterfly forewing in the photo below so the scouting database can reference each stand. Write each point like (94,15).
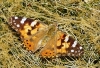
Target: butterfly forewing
(26,26)
(67,46)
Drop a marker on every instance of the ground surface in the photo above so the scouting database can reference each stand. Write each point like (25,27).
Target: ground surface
(79,18)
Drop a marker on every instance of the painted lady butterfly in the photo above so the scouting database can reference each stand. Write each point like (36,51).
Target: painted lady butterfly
(32,33)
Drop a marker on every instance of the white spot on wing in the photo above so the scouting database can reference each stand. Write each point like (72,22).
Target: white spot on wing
(13,20)
(72,54)
(18,25)
(16,17)
(79,54)
(72,50)
(80,47)
(66,38)
(75,51)
(34,23)
(14,23)
(13,27)
(78,50)
(74,44)
(23,20)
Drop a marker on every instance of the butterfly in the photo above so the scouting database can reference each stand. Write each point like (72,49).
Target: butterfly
(32,33)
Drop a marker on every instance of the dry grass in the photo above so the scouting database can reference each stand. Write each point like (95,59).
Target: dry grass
(79,18)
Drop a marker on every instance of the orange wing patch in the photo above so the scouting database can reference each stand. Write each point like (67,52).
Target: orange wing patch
(29,45)
(48,53)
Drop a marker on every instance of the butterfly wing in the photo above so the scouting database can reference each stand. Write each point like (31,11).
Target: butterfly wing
(61,45)
(31,31)
(67,46)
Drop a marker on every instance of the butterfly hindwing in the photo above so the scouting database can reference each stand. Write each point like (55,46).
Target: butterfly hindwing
(34,42)
(49,50)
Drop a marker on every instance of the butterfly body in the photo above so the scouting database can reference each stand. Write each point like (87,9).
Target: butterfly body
(32,33)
